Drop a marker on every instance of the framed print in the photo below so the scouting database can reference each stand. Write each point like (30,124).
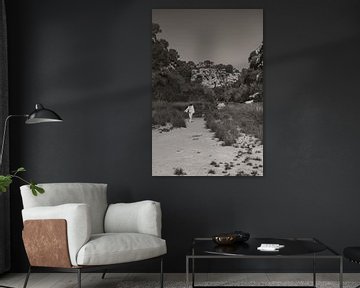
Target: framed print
(207,92)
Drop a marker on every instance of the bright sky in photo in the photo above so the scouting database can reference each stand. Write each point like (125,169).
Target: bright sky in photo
(224,36)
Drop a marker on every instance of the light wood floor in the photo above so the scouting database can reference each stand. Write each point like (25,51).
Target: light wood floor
(68,280)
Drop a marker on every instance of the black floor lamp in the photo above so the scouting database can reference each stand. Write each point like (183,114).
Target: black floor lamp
(39,115)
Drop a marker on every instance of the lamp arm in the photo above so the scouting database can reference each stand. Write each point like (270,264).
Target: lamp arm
(4,134)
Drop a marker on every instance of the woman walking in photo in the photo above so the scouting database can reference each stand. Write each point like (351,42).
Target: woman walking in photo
(190,110)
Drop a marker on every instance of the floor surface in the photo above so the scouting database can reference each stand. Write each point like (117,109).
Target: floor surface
(125,280)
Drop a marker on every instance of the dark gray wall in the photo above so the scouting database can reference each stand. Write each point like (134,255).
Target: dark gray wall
(4,166)
(90,61)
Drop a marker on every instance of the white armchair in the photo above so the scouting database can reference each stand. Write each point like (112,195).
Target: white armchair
(72,228)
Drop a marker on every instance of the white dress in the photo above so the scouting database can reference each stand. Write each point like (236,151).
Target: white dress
(190,109)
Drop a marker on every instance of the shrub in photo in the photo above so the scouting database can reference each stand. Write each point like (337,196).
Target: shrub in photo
(179,172)
(165,113)
(229,121)
(177,119)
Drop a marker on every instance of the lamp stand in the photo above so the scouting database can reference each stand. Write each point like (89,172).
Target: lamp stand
(4,135)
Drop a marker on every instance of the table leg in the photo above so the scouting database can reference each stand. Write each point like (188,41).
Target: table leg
(193,267)
(341,273)
(193,272)
(314,271)
(187,272)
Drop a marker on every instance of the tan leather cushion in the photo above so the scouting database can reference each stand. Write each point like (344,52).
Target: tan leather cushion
(52,250)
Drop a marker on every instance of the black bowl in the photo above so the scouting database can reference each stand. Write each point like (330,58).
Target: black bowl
(241,236)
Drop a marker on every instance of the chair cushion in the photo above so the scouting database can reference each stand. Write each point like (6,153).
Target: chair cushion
(55,194)
(138,217)
(114,248)
(352,253)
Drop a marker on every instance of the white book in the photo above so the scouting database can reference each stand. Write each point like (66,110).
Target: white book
(270,247)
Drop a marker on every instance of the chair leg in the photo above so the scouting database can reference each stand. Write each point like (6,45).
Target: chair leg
(27,277)
(103,275)
(79,277)
(161,273)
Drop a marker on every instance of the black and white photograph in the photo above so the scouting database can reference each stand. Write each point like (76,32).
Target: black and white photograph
(207,92)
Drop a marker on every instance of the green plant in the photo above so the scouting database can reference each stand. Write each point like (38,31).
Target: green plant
(6,180)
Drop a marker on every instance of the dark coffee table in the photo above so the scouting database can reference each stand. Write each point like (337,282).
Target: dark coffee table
(295,248)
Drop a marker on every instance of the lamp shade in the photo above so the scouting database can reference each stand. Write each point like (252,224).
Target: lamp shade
(42,115)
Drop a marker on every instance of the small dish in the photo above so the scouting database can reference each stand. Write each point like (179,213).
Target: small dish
(225,239)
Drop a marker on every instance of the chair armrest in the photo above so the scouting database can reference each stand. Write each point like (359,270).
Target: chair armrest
(77,218)
(138,217)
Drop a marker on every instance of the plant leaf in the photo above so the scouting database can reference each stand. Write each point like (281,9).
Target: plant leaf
(39,189)
(36,189)
(20,169)
(5,182)
(32,187)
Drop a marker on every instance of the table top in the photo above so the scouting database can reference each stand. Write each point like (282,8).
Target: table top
(292,247)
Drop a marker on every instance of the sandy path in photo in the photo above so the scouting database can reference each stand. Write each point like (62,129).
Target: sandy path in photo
(193,149)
